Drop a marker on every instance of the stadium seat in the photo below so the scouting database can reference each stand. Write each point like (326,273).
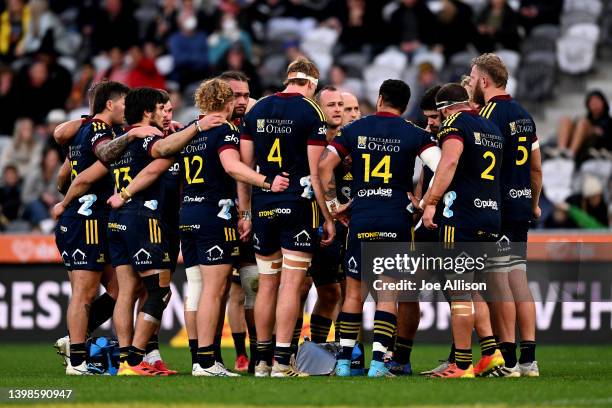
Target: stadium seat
(576,55)
(577,17)
(393,59)
(434,58)
(511,58)
(374,76)
(354,63)
(557,175)
(606,26)
(588,31)
(537,76)
(594,7)
(600,168)
(459,65)
(542,38)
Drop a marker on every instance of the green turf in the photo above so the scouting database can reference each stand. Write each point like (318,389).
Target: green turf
(571,376)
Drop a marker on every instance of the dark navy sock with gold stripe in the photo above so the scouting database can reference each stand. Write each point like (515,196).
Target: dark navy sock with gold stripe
(282,353)
(206,356)
(297,331)
(153,344)
(265,351)
(349,331)
(319,328)
(488,345)
(384,330)
(135,357)
(528,349)
(508,350)
(463,358)
(193,350)
(78,354)
(217,345)
(123,353)
(403,349)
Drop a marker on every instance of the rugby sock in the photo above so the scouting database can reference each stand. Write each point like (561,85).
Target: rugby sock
(337,325)
(265,351)
(319,328)
(206,356)
(527,352)
(384,330)
(123,354)
(193,349)
(217,345)
(451,355)
(463,358)
(297,331)
(136,356)
(282,353)
(252,348)
(403,348)
(349,331)
(101,310)
(239,343)
(153,343)
(488,345)
(508,350)
(78,354)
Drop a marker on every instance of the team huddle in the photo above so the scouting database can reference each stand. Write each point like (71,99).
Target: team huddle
(264,198)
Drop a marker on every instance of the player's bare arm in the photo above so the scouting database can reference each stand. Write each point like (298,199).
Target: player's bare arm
(79,186)
(327,163)
(247,156)
(63,177)
(112,150)
(314,154)
(536,181)
(141,182)
(230,160)
(451,152)
(64,132)
(175,142)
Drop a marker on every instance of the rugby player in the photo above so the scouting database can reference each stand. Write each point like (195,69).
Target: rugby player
(384,148)
(521,184)
(284,134)
(80,233)
(468,173)
(351,109)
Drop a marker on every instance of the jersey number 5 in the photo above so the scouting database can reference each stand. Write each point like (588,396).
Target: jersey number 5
(382,169)
(523,151)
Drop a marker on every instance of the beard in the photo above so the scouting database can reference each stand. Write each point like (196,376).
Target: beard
(478,95)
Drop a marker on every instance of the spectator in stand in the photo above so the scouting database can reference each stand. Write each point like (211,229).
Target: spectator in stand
(142,70)
(427,77)
(361,21)
(42,23)
(236,60)
(456,28)
(165,24)
(40,193)
(414,26)
(338,79)
(228,34)
(560,218)
(8,95)
(114,26)
(83,80)
(117,71)
(591,201)
(24,151)
(54,119)
(14,24)
(575,138)
(189,48)
(537,12)
(262,11)
(497,27)
(10,196)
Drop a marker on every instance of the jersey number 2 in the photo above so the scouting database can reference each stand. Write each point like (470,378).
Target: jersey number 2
(486,174)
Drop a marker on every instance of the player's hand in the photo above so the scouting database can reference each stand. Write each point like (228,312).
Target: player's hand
(342,213)
(115,201)
(141,132)
(57,210)
(211,121)
(415,202)
(428,216)
(329,232)
(280,183)
(245,227)
(537,212)
(175,126)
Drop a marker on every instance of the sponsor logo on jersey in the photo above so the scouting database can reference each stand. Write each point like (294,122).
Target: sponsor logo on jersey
(261,125)
(302,238)
(376,235)
(352,265)
(362,142)
(116,226)
(189,227)
(214,254)
(521,126)
(79,257)
(273,212)
(520,193)
(375,192)
(492,204)
(488,140)
(142,257)
(231,138)
(196,199)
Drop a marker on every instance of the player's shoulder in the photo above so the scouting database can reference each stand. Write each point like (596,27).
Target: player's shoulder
(312,105)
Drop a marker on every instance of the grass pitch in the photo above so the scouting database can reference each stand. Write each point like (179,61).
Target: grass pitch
(571,376)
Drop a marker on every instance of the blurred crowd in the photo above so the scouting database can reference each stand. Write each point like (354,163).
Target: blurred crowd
(51,51)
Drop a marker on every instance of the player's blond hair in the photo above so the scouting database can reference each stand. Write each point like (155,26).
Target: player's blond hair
(213,95)
(491,65)
(304,66)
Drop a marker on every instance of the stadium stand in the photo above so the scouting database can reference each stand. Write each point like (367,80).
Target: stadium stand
(54,50)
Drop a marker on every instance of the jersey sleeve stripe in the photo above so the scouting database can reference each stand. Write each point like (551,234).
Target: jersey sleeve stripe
(427,146)
(451,119)
(312,142)
(317,109)
(340,149)
(225,147)
(453,136)
(245,136)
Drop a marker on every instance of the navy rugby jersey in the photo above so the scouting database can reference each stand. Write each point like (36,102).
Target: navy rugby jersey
(472,200)
(383,148)
(519,132)
(81,156)
(204,178)
(281,127)
(135,157)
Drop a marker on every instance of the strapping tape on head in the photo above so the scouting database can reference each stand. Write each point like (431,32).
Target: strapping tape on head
(447,104)
(301,75)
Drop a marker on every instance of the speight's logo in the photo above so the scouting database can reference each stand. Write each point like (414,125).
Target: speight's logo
(361,142)
(261,125)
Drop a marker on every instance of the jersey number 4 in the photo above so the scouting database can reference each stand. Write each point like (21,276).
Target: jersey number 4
(274,156)
(382,169)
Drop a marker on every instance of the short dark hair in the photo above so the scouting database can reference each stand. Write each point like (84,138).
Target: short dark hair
(234,76)
(395,94)
(165,95)
(428,101)
(105,91)
(141,100)
(452,93)
(330,88)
